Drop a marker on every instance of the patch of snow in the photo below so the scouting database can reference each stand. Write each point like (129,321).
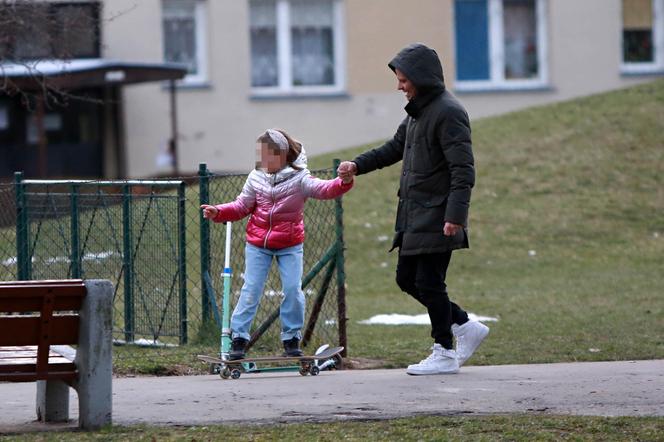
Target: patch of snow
(368,225)
(143,343)
(65,259)
(10,261)
(330,322)
(532,253)
(423,319)
(383,264)
(594,350)
(383,238)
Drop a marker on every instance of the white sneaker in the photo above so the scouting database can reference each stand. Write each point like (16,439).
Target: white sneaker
(469,336)
(440,361)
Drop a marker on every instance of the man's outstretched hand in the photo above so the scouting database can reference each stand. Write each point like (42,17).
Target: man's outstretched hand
(346,171)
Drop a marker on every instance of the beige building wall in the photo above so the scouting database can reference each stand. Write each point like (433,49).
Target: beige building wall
(219,123)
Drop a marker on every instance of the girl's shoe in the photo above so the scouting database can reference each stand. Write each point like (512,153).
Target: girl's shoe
(238,348)
(292,347)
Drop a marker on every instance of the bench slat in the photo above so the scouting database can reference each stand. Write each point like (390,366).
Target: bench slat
(44,282)
(31,303)
(31,377)
(27,296)
(26,330)
(10,364)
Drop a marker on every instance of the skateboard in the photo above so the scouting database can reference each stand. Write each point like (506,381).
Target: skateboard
(308,364)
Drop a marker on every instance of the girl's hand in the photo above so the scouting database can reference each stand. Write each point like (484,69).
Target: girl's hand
(347,180)
(209,212)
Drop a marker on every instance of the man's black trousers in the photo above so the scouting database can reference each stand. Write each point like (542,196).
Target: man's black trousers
(423,278)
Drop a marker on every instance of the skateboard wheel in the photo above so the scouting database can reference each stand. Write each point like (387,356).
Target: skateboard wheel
(235,373)
(314,370)
(213,368)
(304,371)
(225,373)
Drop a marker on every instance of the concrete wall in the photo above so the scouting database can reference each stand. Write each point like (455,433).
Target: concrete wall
(218,124)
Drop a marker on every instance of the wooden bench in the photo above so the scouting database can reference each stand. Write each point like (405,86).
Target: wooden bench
(39,320)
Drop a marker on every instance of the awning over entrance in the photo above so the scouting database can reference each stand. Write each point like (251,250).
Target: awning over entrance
(63,76)
(80,74)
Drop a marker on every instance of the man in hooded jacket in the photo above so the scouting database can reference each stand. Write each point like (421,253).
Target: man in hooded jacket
(433,142)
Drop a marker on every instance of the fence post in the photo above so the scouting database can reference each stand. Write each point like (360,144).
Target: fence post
(128,263)
(341,273)
(182,260)
(22,244)
(75,257)
(204,198)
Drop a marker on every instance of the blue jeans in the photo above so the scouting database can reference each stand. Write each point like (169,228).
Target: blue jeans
(257,263)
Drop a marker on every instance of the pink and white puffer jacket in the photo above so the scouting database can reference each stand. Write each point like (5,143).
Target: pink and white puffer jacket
(276,204)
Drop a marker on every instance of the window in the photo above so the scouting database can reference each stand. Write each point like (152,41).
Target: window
(500,44)
(184,37)
(39,30)
(296,46)
(642,36)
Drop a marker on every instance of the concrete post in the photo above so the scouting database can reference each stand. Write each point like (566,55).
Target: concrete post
(94,356)
(52,401)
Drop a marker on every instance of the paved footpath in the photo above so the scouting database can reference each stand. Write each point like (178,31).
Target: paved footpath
(630,388)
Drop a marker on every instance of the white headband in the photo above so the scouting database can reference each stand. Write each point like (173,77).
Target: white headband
(278,138)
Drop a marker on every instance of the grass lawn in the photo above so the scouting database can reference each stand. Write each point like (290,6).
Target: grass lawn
(423,428)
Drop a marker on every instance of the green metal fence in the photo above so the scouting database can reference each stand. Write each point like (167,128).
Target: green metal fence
(149,238)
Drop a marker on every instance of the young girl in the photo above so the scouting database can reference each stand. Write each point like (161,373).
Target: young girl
(274,196)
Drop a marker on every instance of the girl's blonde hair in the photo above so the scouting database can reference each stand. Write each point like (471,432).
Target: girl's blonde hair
(294,147)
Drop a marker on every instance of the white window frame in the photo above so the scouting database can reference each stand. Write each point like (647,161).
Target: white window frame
(657,65)
(497,80)
(200,16)
(285,85)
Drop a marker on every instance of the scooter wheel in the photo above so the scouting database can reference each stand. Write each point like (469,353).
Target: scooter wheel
(314,370)
(235,373)
(304,371)
(225,373)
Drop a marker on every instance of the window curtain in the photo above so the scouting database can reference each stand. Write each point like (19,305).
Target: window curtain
(520,29)
(263,30)
(179,22)
(312,39)
(638,31)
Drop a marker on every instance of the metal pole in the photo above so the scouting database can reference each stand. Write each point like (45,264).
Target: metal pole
(173,144)
(226,302)
(75,252)
(128,263)
(43,142)
(22,247)
(182,264)
(341,273)
(204,198)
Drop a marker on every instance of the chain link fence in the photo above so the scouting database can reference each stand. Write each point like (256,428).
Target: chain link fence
(149,238)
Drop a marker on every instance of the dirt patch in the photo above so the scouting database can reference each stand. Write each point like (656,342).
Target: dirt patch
(363,363)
